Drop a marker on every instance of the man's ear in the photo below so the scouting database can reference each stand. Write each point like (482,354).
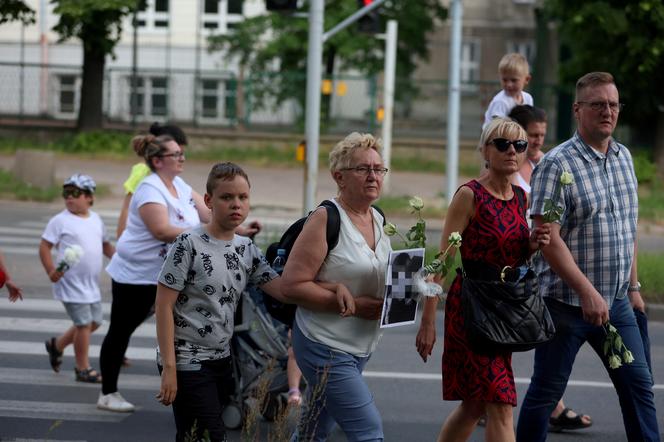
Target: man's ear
(207,199)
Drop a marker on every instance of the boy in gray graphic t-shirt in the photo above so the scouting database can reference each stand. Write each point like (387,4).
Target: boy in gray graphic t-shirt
(200,284)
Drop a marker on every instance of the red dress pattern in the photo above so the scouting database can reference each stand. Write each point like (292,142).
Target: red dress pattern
(498,235)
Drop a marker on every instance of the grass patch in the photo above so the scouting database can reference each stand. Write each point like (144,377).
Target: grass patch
(651,202)
(398,206)
(650,267)
(11,187)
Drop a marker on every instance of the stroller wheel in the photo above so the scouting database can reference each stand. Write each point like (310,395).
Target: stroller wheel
(232,416)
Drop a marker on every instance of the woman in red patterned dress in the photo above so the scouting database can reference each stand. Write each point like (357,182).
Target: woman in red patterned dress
(490,214)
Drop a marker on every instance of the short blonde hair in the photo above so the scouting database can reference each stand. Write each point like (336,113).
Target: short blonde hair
(342,154)
(501,128)
(514,63)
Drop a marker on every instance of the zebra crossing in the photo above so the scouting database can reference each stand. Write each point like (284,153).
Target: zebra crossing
(37,404)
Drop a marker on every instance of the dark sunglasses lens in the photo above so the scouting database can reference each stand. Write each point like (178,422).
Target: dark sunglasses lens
(71,192)
(501,144)
(520,145)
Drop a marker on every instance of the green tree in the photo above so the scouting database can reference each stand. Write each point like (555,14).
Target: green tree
(626,38)
(12,10)
(98,25)
(264,42)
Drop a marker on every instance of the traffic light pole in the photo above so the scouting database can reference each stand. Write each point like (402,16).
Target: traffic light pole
(314,71)
(454,99)
(388,95)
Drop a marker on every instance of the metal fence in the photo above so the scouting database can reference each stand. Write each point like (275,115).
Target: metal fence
(221,99)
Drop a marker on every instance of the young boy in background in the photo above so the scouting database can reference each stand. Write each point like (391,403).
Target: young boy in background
(200,284)
(77,283)
(514,76)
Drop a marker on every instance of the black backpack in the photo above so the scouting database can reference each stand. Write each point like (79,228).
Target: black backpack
(285,313)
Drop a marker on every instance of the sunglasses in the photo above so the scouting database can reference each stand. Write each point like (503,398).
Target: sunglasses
(502,144)
(72,192)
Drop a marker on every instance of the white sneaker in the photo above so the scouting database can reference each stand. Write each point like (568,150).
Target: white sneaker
(114,402)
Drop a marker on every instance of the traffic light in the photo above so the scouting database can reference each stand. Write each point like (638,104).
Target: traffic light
(281,5)
(369,23)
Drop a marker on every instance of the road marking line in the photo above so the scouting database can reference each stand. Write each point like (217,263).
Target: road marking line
(43,305)
(37,348)
(69,411)
(437,377)
(34,376)
(58,326)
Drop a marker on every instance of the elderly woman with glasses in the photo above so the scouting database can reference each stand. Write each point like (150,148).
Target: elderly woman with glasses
(162,207)
(339,296)
(490,214)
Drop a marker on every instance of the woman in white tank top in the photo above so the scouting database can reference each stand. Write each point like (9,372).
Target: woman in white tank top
(339,295)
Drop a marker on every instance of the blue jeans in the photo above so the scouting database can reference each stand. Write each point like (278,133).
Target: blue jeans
(553,365)
(336,393)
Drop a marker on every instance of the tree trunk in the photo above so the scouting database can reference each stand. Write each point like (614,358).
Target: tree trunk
(658,152)
(90,116)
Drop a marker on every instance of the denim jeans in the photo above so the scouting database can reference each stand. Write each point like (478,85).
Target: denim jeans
(336,393)
(201,398)
(553,365)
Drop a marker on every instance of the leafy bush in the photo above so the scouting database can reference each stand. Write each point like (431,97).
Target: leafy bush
(99,142)
(650,267)
(14,188)
(644,168)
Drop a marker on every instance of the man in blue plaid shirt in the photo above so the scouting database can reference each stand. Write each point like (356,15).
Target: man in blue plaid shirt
(588,271)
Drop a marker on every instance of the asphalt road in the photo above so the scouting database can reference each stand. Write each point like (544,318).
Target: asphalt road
(37,404)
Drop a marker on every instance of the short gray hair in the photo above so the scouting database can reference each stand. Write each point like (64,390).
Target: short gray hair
(341,155)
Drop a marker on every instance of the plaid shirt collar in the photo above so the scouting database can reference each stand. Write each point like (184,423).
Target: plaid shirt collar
(589,153)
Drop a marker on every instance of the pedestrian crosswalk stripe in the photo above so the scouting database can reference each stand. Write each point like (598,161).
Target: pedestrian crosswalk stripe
(47,377)
(43,305)
(37,348)
(58,326)
(4,230)
(70,411)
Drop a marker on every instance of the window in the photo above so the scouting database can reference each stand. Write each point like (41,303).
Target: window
(222,15)
(525,48)
(67,94)
(218,99)
(210,99)
(155,15)
(151,96)
(470,65)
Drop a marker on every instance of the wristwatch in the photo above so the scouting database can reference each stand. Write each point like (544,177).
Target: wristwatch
(634,288)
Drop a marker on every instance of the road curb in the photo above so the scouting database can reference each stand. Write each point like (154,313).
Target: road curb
(655,312)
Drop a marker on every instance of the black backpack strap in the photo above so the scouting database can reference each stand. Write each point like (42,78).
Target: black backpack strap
(379,210)
(521,196)
(333,224)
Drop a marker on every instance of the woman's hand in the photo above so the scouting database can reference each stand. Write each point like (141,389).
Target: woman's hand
(169,386)
(425,340)
(368,307)
(345,300)
(540,236)
(15,292)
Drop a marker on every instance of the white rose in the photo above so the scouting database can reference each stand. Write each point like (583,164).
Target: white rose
(416,203)
(390,229)
(566,178)
(454,239)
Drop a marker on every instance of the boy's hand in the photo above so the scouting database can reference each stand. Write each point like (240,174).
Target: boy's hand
(346,301)
(169,386)
(55,276)
(14,291)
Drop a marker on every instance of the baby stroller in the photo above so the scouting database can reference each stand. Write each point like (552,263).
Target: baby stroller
(260,353)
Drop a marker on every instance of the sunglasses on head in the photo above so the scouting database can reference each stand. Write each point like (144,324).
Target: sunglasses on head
(73,192)
(502,144)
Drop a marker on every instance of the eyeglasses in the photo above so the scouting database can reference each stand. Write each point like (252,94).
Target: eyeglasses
(601,105)
(74,192)
(366,170)
(176,155)
(502,144)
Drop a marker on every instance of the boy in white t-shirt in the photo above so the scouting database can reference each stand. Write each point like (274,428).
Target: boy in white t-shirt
(514,76)
(80,239)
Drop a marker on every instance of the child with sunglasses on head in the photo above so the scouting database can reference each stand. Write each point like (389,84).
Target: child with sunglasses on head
(80,238)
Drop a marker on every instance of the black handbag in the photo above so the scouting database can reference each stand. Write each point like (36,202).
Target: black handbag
(505,316)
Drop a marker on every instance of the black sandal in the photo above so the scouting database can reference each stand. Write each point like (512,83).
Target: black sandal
(564,422)
(88,375)
(54,355)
